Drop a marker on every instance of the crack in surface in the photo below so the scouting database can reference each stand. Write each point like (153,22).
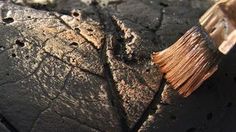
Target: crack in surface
(161,19)
(113,94)
(156,100)
(5,50)
(157,97)
(27,76)
(157,94)
(119,49)
(80,122)
(37,118)
(82,69)
(115,98)
(7,124)
(65,83)
(52,99)
(69,27)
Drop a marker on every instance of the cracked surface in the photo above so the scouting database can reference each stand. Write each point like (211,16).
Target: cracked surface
(51,75)
(3,128)
(84,65)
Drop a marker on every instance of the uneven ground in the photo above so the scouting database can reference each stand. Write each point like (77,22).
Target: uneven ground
(81,65)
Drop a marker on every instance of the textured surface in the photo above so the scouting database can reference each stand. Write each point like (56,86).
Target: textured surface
(85,65)
(51,76)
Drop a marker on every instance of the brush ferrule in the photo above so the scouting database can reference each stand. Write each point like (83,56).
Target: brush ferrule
(209,42)
(219,22)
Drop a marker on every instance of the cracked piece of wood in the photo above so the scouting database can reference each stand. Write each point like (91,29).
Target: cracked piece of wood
(50,72)
(91,71)
(71,47)
(65,39)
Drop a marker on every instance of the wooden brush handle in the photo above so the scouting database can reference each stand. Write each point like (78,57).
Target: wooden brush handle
(220,24)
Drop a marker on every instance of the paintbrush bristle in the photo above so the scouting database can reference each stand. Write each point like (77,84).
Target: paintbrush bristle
(189,61)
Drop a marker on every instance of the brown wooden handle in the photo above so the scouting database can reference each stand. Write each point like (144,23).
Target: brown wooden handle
(220,23)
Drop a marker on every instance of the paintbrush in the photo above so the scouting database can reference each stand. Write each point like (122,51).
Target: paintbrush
(195,56)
